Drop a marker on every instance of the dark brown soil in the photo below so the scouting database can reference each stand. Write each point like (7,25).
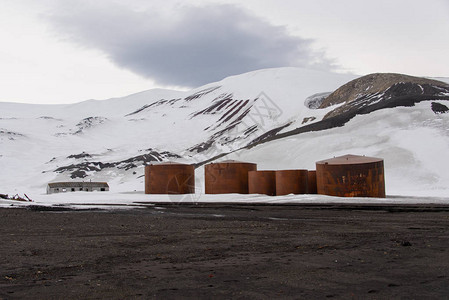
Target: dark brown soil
(226,252)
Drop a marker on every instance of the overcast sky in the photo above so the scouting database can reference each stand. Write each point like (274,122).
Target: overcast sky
(55,51)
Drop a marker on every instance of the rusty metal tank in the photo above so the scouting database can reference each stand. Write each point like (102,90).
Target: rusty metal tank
(169,178)
(291,182)
(227,177)
(262,182)
(351,176)
(312,187)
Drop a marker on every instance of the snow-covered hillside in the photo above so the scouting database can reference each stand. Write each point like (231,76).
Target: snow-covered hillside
(271,111)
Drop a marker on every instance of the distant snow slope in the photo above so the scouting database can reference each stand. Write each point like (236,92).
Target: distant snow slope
(272,110)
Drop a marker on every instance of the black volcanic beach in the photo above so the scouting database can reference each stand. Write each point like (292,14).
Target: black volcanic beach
(226,251)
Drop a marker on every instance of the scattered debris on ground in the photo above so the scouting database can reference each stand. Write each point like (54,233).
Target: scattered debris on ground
(16,197)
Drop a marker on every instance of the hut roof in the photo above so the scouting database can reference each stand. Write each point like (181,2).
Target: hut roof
(77,184)
(349,159)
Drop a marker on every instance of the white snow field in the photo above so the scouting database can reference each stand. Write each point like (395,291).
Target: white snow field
(117,200)
(35,140)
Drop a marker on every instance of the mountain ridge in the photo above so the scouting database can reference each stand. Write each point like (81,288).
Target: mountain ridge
(221,119)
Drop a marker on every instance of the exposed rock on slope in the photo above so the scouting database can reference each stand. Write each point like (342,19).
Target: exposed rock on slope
(390,89)
(373,84)
(4,133)
(439,108)
(81,169)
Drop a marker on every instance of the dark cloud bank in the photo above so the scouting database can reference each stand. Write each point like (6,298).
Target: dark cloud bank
(191,47)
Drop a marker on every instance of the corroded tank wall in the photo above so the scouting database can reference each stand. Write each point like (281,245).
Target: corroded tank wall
(262,182)
(227,177)
(291,182)
(312,189)
(169,178)
(351,176)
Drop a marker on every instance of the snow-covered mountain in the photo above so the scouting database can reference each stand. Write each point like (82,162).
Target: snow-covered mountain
(278,118)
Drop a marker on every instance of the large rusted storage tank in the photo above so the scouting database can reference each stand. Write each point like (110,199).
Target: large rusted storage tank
(291,182)
(169,178)
(262,182)
(227,177)
(312,189)
(351,176)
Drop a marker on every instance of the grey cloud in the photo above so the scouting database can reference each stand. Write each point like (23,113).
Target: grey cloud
(190,47)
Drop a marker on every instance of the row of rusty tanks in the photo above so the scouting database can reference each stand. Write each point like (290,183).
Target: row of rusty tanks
(277,183)
(243,178)
(345,176)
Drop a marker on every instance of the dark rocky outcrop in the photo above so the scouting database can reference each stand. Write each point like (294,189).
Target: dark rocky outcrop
(10,134)
(153,105)
(81,155)
(378,83)
(383,91)
(89,123)
(79,170)
(201,93)
(439,108)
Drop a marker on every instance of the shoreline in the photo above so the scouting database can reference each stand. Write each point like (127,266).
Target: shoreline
(390,207)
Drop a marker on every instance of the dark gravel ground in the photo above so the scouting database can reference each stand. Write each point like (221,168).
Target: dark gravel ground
(226,252)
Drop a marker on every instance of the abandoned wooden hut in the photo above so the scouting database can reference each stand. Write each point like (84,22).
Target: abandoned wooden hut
(88,186)
(351,176)
(227,177)
(169,178)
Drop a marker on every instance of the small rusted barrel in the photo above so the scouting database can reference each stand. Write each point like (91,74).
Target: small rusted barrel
(351,176)
(291,182)
(169,178)
(227,177)
(262,182)
(312,183)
